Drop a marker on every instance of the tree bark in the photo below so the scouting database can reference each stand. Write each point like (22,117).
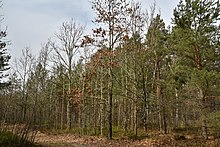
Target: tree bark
(158,95)
(102,103)
(177,109)
(110,87)
(145,100)
(203,110)
(68,113)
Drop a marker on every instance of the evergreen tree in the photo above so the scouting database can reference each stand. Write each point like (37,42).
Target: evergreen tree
(196,35)
(157,43)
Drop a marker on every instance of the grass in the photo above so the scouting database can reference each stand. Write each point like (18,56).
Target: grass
(8,139)
(17,135)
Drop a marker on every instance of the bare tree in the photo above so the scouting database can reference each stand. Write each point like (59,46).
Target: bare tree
(66,49)
(23,67)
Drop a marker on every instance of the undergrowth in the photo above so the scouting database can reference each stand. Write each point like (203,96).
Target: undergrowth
(17,135)
(8,139)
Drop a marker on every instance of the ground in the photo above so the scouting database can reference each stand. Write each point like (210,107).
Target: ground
(70,140)
(54,138)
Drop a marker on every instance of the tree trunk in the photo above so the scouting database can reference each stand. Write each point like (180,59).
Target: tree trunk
(204,128)
(119,115)
(110,87)
(24,108)
(135,103)
(102,104)
(68,113)
(203,110)
(135,119)
(56,114)
(158,95)
(145,100)
(62,107)
(177,110)
(164,120)
(62,112)
(68,109)
(125,103)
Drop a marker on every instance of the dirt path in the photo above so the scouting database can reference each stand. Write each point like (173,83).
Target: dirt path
(67,140)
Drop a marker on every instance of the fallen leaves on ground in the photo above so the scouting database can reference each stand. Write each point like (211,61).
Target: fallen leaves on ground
(70,140)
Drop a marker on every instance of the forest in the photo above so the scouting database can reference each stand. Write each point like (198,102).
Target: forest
(133,77)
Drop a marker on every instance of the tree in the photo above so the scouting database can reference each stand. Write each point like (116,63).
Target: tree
(66,49)
(23,68)
(196,34)
(113,16)
(157,42)
(39,88)
(4,64)
(4,59)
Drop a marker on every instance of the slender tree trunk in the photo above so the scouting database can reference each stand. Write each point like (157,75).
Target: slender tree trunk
(164,119)
(135,119)
(145,100)
(204,124)
(125,98)
(62,106)
(119,115)
(102,103)
(204,128)
(110,87)
(24,110)
(135,103)
(177,109)
(62,109)
(198,60)
(125,103)
(158,95)
(79,121)
(82,107)
(68,113)
(161,103)
(69,117)
(95,111)
(35,107)
(56,114)
(165,122)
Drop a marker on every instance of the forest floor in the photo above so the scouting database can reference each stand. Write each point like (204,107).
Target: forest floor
(70,140)
(51,138)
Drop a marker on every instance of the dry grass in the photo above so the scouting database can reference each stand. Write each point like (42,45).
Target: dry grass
(157,140)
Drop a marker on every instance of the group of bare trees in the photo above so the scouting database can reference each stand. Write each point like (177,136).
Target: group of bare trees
(137,80)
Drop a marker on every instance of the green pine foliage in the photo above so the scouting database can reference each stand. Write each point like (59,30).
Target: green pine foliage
(195,48)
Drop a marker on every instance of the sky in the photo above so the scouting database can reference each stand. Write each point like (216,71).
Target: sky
(30,23)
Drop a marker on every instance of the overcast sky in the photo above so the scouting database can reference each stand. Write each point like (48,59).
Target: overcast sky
(31,22)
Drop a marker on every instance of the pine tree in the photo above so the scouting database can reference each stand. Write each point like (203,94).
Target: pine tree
(196,38)
(156,40)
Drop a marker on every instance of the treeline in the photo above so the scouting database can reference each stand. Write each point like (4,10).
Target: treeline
(131,73)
